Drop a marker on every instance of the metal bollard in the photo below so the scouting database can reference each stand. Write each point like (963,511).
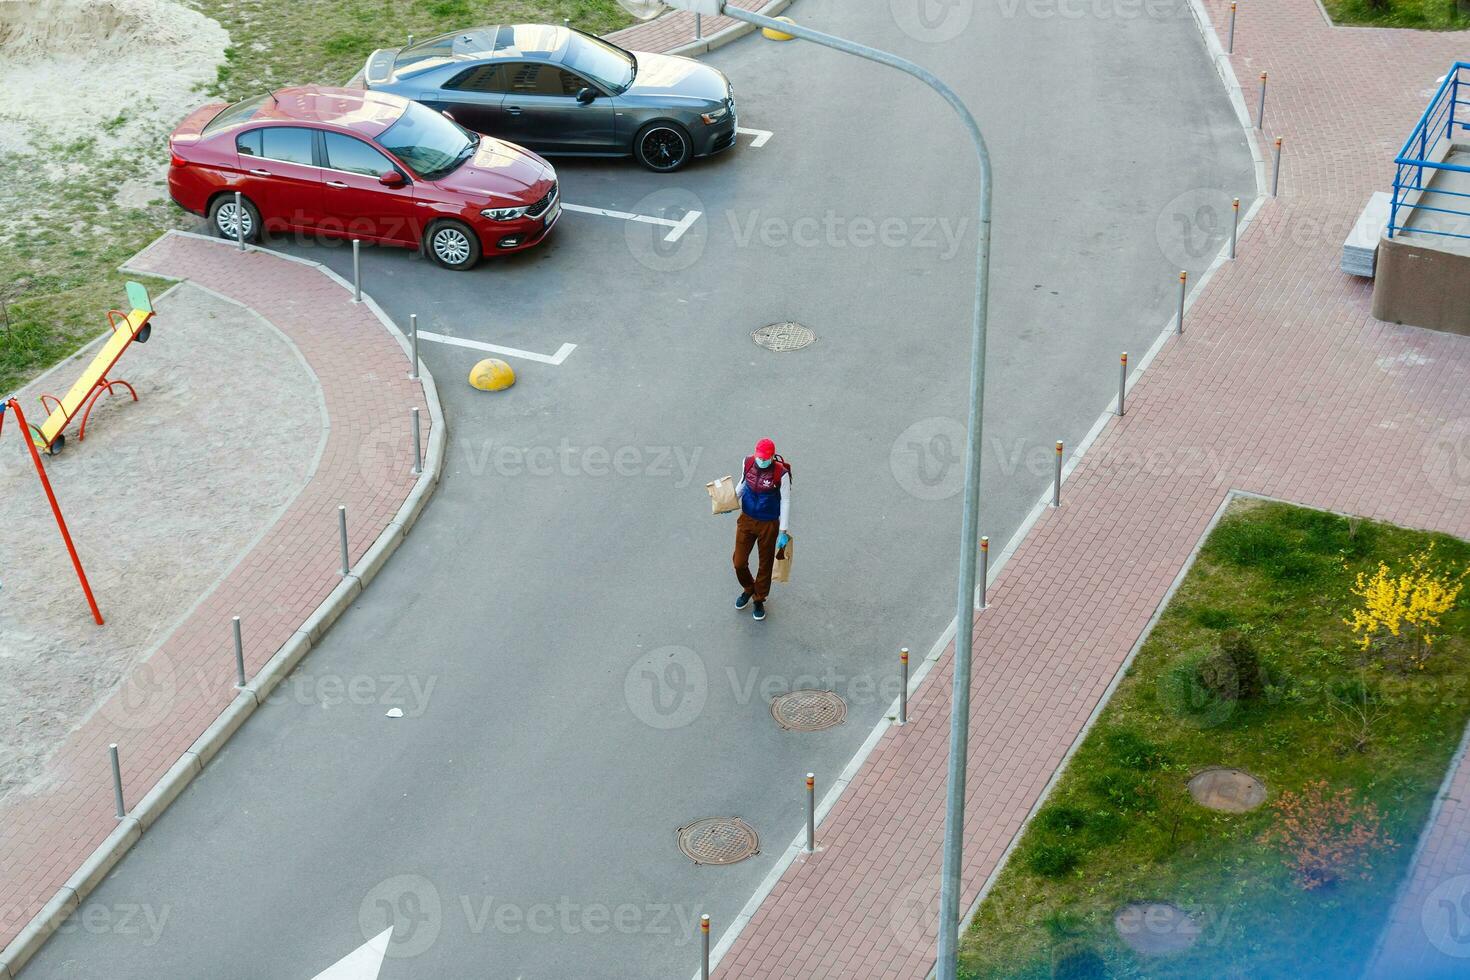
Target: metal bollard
(984,571)
(418,454)
(413,330)
(342,528)
(1230,45)
(356,271)
(117,782)
(903,691)
(1122,382)
(1235,226)
(410,41)
(698,28)
(239,654)
(1276,168)
(811,812)
(1056,491)
(1261,109)
(1183,288)
(704,940)
(239,222)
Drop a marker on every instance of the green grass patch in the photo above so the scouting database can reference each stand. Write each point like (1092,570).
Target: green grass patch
(1431,15)
(64,229)
(1274,581)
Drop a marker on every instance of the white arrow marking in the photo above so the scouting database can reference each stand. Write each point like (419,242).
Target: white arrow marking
(557,358)
(363,963)
(678,227)
(762,136)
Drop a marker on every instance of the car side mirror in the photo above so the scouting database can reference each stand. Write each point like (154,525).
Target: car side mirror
(586,95)
(391,178)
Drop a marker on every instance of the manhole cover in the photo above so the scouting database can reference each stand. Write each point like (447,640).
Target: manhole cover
(784,336)
(808,711)
(1227,790)
(1155,928)
(719,840)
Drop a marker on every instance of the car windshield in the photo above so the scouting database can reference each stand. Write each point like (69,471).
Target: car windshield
(604,64)
(240,112)
(427,142)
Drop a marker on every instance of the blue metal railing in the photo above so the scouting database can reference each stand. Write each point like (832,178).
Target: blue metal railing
(1448,112)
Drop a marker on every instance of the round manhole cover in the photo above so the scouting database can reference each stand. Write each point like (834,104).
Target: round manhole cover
(1227,790)
(783,336)
(1155,928)
(719,840)
(808,711)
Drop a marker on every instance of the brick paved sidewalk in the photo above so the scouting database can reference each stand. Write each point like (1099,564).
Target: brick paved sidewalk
(675,29)
(1283,385)
(167,701)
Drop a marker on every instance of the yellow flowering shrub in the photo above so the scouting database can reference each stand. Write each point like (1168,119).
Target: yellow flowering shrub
(1401,607)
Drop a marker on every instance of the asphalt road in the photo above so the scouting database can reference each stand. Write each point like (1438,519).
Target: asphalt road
(559,627)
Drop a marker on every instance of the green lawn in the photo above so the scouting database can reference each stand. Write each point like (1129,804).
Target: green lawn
(1120,825)
(1433,15)
(63,229)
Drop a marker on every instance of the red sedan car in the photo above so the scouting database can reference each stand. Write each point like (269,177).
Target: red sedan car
(353,164)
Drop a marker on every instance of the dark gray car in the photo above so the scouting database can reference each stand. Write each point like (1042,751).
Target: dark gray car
(559,91)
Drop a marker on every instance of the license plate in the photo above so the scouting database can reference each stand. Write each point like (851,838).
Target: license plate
(552,212)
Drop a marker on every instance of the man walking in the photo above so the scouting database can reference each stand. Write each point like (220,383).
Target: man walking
(765,507)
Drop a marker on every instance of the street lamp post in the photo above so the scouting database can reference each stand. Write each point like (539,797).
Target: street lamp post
(959,724)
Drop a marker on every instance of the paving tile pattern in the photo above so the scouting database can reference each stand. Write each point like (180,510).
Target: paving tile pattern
(1283,384)
(676,28)
(168,700)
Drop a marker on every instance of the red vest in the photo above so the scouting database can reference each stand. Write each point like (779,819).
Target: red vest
(762,497)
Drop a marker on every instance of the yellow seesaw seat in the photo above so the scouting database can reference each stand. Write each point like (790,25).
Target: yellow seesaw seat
(126,328)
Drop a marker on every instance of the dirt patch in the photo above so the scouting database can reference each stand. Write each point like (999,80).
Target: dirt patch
(163,497)
(114,70)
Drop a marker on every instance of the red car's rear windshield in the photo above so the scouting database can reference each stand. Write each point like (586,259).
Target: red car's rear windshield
(241,111)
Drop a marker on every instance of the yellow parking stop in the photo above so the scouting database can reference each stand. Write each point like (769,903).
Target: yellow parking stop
(492,375)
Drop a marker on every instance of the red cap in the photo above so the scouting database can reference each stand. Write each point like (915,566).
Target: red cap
(765,449)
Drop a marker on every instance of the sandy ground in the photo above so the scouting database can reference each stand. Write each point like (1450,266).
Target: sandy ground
(162,498)
(69,67)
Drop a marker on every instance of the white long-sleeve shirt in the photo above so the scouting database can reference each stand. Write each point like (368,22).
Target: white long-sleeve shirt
(785,494)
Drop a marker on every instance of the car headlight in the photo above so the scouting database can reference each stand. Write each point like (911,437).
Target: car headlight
(503,214)
(710,118)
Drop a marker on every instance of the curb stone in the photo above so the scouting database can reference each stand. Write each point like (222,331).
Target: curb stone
(192,762)
(721,38)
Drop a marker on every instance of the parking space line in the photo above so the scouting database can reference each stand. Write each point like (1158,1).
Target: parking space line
(560,355)
(762,136)
(677,227)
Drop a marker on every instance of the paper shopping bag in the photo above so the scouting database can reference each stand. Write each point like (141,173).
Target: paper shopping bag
(722,497)
(782,570)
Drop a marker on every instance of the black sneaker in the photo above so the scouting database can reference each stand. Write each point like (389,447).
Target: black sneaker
(743,601)
(760,610)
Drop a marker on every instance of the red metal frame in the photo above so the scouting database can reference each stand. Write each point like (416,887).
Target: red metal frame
(25,428)
(103,386)
(116,319)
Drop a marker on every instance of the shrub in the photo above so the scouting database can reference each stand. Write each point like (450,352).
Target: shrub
(1234,671)
(1400,608)
(1052,859)
(1059,818)
(1130,749)
(1326,836)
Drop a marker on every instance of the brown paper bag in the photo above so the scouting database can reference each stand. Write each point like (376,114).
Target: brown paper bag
(782,570)
(722,497)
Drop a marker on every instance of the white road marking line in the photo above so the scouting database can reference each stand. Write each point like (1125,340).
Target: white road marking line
(762,136)
(557,358)
(363,963)
(678,227)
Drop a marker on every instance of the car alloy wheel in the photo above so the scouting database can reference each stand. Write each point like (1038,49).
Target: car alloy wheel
(663,148)
(228,218)
(451,246)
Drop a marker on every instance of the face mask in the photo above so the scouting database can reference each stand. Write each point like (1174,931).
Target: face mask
(764,464)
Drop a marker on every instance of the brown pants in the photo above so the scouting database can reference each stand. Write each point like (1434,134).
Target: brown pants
(761,535)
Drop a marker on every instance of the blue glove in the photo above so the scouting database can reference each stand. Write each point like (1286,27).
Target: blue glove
(782,540)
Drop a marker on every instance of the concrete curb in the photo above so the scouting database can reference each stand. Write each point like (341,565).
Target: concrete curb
(721,38)
(192,762)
